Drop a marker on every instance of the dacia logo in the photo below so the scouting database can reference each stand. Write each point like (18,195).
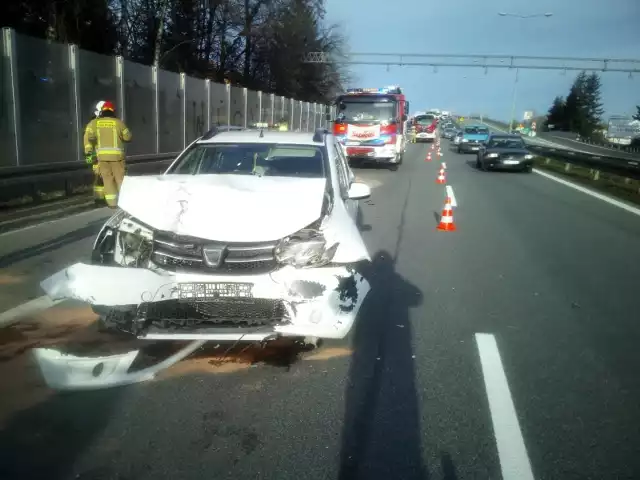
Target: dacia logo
(213,256)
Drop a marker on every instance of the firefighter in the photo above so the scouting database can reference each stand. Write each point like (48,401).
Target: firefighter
(107,135)
(413,132)
(92,159)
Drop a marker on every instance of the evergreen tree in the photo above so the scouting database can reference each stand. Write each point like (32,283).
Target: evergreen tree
(637,115)
(592,105)
(574,105)
(557,113)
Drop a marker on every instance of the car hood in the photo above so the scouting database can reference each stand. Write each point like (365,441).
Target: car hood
(511,151)
(227,208)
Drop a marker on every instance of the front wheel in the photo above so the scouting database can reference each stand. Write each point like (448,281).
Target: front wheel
(393,167)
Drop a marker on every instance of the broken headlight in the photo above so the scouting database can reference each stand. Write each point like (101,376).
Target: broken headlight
(134,243)
(306,248)
(122,241)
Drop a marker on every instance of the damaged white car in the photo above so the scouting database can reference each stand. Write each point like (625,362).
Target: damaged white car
(248,236)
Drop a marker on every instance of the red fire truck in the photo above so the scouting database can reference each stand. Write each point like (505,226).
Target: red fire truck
(370,124)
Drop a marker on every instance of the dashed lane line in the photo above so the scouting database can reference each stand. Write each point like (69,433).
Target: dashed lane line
(514,461)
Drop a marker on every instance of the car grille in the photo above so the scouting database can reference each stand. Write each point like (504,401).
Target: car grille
(511,156)
(233,313)
(185,254)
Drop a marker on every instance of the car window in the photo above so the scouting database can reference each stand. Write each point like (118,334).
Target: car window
(265,159)
(505,143)
(343,174)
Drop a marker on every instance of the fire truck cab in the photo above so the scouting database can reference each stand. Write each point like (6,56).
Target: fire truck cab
(370,125)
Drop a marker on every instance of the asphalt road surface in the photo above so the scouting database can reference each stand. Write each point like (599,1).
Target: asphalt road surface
(506,349)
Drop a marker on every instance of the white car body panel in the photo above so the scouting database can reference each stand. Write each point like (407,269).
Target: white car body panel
(226,208)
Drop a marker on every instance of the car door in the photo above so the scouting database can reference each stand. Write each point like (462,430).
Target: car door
(345,178)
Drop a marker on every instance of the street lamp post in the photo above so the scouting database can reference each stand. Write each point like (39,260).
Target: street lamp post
(515,83)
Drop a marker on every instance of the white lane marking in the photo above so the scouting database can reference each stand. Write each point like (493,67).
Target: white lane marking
(36,305)
(514,460)
(599,196)
(451,195)
(29,227)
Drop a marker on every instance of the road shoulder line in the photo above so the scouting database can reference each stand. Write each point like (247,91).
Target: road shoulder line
(512,452)
(588,191)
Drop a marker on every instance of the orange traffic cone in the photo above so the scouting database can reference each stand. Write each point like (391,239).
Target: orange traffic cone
(446,219)
(444,166)
(433,147)
(441,177)
(439,153)
(428,159)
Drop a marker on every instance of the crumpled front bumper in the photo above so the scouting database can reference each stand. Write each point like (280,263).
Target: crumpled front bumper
(319,302)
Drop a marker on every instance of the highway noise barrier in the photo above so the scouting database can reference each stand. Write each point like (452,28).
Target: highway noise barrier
(441,180)
(446,219)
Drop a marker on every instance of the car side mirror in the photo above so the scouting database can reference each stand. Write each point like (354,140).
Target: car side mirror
(359,191)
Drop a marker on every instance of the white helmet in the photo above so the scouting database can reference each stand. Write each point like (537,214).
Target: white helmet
(98,108)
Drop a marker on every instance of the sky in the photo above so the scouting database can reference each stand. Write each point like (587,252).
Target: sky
(577,28)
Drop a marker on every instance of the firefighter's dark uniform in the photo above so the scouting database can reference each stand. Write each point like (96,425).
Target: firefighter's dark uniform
(107,135)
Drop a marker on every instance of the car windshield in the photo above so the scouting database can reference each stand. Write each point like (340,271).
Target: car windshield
(368,112)
(425,120)
(262,159)
(505,142)
(476,131)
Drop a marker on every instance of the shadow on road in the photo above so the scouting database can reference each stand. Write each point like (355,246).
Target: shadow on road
(46,440)
(381,436)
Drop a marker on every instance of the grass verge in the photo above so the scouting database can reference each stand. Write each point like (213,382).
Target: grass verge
(617,186)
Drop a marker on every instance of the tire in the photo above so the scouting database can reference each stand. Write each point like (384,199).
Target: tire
(528,169)
(393,167)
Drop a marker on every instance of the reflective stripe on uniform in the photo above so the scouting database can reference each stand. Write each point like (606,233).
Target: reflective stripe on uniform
(110,196)
(109,151)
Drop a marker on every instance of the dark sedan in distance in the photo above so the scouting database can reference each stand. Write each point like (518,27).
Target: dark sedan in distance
(449,132)
(504,152)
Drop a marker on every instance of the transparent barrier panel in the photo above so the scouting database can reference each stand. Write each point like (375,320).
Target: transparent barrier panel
(278,111)
(140,109)
(237,107)
(286,111)
(169,112)
(314,116)
(219,104)
(295,117)
(7,127)
(267,107)
(46,102)
(196,114)
(305,117)
(97,81)
(253,107)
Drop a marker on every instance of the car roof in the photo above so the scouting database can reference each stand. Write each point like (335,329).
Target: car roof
(475,125)
(267,136)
